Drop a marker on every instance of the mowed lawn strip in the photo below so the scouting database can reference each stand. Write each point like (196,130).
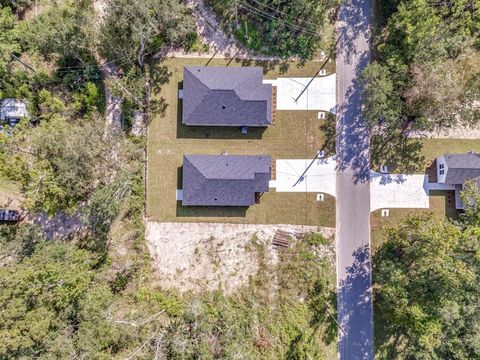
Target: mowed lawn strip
(295,135)
(432,148)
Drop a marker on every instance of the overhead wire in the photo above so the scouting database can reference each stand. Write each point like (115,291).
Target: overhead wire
(253,9)
(283,13)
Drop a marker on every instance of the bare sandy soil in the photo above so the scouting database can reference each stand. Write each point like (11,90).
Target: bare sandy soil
(206,256)
(460,132)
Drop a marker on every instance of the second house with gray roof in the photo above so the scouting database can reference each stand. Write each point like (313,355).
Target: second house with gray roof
(225,180)
(226,96)
(456,169)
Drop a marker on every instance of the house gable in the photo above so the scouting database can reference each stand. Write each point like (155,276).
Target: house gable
(224,180)
(221,96)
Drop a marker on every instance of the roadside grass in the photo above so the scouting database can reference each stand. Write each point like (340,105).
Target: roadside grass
(439,206)
(10,194)
(432,148)
(295,135)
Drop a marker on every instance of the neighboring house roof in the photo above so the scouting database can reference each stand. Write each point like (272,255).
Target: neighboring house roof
(226,96)
(461,167)
(224,180)
(12,108)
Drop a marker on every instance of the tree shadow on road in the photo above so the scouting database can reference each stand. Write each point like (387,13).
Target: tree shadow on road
(353,134)
(351,26)
(355,308)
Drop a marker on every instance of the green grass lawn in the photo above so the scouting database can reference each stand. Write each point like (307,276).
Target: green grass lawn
(10,194)
(432,148)
(295,135)
(439,205)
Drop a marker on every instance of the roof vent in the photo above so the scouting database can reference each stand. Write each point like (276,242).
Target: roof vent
(224,107)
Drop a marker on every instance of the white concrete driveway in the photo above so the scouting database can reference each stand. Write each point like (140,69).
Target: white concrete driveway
(320,176)
(320,94)
(389,191)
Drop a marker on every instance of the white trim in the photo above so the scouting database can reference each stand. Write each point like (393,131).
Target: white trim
(179,194)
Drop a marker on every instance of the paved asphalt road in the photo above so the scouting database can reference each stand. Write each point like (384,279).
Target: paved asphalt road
(354,279)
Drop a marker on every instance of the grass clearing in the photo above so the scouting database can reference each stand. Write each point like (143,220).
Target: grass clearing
(10,194)
(440,205)
(432,148)
(295,135)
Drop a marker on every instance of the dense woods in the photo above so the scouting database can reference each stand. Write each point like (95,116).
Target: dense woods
(425,75)
(426,286)
(72,293)
(280,28)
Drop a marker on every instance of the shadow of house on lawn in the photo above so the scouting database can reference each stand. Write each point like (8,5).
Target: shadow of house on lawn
(213,132)
(211,211)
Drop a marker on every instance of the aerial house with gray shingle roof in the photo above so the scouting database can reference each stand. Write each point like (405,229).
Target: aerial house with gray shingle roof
(225,180)
(456,169)
(226,96)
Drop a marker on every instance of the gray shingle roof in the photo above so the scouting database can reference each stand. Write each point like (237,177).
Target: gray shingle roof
(226,96)
(461,167)
(224,180)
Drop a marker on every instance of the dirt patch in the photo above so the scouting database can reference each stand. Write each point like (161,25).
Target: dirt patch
(10,195)
(61,226)
(206,256)
(218,43)
(459,132)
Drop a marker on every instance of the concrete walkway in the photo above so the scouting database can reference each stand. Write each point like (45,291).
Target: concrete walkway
(320,177)
(320,94)
(389,191)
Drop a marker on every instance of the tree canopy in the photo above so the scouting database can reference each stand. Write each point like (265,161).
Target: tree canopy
(281,28)
(134,31)
(425,75)
(426,287)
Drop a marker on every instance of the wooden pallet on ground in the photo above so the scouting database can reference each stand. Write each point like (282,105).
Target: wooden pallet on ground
(282,240)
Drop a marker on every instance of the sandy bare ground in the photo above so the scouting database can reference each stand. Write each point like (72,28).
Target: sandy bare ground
(206,256)
(460,132)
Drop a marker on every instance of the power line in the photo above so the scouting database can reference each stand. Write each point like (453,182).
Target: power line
(254,10)
(266,14)
(284,13)
(123,57)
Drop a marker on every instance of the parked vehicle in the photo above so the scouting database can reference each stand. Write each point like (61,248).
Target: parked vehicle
(9,215)
(12,111)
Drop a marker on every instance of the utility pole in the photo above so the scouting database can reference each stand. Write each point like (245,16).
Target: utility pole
(236,14)
(318,72)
